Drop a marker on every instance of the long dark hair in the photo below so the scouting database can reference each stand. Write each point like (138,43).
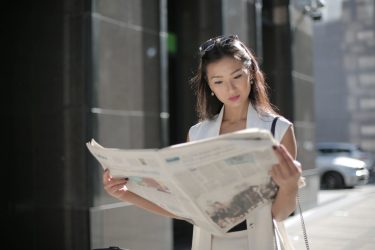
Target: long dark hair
(208,106)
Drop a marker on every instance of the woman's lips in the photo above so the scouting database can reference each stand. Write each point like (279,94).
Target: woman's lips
(234,98)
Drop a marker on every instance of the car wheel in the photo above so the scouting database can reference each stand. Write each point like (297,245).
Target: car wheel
(332,180)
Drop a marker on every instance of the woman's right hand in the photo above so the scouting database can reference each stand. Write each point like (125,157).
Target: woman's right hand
(116,187)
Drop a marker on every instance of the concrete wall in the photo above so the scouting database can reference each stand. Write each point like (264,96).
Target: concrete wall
(303,92)
(125,113)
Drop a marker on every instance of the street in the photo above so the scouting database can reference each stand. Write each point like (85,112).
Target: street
(343,220)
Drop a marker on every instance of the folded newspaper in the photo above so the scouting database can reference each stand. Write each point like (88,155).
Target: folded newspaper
(214,183)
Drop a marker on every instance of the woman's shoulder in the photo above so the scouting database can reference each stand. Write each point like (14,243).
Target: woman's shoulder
(282,119)
(200,130)
(270,116)
(281,126)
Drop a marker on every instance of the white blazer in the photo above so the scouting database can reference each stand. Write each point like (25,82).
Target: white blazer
(211,128)
(262,232)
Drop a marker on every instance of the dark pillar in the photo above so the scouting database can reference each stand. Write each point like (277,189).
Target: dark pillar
(48,179)
(192,22)
(277,57)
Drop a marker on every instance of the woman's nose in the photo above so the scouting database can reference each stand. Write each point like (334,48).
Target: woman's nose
(230,86)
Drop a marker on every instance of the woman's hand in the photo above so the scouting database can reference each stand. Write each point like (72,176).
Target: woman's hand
(116,187)
(286,175)
(287,172)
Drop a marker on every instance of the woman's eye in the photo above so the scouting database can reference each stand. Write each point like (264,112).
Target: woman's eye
(237,76)
(218,82)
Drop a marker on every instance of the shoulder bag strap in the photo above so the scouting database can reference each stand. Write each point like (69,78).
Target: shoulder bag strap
(303,224)
(273,126)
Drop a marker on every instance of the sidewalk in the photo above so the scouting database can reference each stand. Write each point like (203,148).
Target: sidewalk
(342,220)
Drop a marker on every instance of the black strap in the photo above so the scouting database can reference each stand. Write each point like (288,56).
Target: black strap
(273,126)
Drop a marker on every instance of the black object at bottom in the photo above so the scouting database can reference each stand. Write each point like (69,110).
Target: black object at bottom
(239,227)
(110,248)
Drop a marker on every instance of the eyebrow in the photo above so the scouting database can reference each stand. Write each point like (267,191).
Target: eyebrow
(230,73)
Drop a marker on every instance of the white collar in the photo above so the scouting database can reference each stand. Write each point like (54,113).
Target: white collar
(252,119)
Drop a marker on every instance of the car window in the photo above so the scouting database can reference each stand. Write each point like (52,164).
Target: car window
(333,151)
(360,149)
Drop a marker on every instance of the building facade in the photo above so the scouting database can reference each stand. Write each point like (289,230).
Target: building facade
(118,71)
(344,45)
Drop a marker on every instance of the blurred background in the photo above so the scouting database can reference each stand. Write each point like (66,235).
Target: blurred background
(118,71)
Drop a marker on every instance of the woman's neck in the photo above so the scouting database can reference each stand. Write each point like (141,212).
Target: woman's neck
(237,114)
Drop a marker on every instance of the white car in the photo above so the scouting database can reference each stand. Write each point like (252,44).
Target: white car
(347,149)
(341,171)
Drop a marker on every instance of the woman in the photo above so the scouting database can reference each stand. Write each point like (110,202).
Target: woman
(231,95)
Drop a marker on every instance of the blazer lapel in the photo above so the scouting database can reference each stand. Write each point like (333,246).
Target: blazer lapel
(251,117)
(215,131)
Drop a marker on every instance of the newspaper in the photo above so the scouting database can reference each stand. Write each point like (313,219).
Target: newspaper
(213,183)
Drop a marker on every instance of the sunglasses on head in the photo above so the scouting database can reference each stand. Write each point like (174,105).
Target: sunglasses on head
(210,43)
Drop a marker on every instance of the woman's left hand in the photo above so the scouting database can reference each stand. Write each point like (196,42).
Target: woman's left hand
(287,172)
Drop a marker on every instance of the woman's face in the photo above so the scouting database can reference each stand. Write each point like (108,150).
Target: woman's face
(229,80)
